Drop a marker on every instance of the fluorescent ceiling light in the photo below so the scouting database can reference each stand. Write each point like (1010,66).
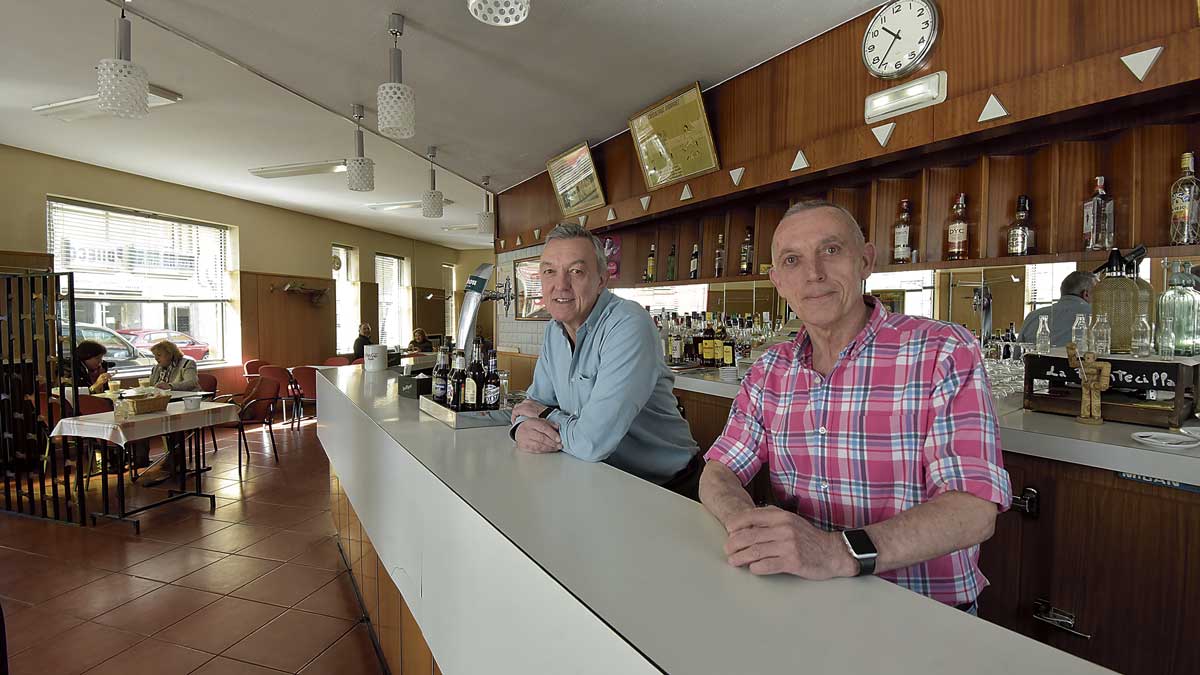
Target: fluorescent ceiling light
(392,206)
(301,169)
(462,228)
(908,97)
(85,107)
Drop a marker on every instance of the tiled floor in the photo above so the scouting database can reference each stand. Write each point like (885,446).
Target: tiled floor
(255,588)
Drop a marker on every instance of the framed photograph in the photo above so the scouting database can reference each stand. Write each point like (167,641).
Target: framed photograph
(612,252)
(576,185)
(673,140)
(530,305)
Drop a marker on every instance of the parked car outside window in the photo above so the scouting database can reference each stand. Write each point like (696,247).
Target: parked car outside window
(143,339)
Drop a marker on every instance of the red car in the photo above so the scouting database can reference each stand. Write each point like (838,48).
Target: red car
(144,339)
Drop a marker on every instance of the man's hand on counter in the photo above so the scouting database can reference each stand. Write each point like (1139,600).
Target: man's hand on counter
(769,540)
(528,408)
(538,436)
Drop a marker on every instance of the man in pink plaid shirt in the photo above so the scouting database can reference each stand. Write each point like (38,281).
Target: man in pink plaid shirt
(877,429)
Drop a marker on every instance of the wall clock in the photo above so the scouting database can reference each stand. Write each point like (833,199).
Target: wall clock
(899,38)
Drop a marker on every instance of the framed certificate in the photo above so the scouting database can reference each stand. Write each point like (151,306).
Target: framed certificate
(576,185)
(528,280)
(673,140)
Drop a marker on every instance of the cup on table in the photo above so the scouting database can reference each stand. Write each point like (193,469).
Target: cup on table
(144,382)
(191,403)
(114,386)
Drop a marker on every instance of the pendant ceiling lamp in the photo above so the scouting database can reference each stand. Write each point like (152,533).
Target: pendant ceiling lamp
(360,170)
(432,202)
(122,86)
(487,217)
(397,103)
(499,12)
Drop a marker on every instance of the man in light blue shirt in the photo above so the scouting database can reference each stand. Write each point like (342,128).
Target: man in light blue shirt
(1076,290)
(601,389)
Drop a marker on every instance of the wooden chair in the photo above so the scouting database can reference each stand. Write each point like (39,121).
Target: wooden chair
(337,361)
(256,404)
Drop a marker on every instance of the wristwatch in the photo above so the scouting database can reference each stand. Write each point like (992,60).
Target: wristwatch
(862,549)
(546,413)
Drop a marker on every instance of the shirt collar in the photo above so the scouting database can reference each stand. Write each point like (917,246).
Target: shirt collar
(593,317)
(803,343)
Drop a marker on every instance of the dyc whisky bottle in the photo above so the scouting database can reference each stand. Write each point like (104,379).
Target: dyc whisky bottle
(956,231)
(1020,233)
(901,231)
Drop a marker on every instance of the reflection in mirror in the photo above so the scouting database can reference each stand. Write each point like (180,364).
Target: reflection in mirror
(906,292)
(737,298)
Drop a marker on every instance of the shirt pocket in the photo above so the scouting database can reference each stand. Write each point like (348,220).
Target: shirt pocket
(582,384)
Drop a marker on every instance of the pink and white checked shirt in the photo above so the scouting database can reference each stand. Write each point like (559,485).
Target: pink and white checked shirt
(904,416)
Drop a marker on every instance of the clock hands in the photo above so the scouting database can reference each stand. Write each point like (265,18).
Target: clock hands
(895,35)
(889,49)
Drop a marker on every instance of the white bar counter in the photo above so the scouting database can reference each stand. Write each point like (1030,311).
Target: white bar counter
(518,563)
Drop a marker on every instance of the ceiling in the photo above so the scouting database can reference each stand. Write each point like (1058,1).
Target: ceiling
(496,101)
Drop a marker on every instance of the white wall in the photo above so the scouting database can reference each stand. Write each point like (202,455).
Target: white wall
(513,335)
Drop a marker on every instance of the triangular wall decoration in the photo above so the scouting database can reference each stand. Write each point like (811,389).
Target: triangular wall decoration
(537,233)
(645,202)
(583,221)
(736,175)
(519,242)
(612,214)
(801,162)
(993,110)
(1141,62)
(883,133)
(687,193)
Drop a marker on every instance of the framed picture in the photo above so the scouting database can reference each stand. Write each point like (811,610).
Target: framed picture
(673,140)
(612,252)
(530,305)
(576,185)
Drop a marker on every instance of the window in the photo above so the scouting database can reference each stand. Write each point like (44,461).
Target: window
(345,274)
(449,286)
(395,300)
(140,277)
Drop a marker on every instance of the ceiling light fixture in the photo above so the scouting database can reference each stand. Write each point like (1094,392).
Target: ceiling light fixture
(301,169)
(487,218)
(396,101)
(360,170)
(499,12)
(85,107)
(395,206)
(432,201)
(122,86)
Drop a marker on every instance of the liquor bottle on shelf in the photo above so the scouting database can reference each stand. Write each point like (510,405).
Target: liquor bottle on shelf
(746,260)
(729,348)
(1185,205)
(709,336)
(676,357)
(1116,297)
(649,274)
(457,382)
(956,231)
(901,234)
(1098,219)
(689,341)
(719,258)
(671,264)
(1020,232)
(491,384)
(441,374)
(694,264)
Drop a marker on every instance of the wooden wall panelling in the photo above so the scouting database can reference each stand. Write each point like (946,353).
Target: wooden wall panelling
(666,238)
(939,187)
(387,624)
(740,115)
(687,233)
(368,306)
(1001,558)
(646,234)
(1001,180)
(248,314)
(1079,162)
(856,200)
(292,330)
(1157,149)
(1042,181)
(766,220)
(415,656)
(618,165)
(886,194)
(705,414)
(712,224)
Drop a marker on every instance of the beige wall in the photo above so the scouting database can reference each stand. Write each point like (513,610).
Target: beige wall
(270,239)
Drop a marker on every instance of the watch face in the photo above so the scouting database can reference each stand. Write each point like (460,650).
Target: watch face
(900,37)
(860,543)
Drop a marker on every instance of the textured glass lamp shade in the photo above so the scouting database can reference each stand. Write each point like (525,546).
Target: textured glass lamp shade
(397,110)
(360,174)
(432,204)
(499,12)
(487,222)
(122,88)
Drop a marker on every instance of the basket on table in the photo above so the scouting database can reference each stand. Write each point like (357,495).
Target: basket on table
(148,403)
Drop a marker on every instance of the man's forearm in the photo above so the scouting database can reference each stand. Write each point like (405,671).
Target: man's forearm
(950,522)
(722,493)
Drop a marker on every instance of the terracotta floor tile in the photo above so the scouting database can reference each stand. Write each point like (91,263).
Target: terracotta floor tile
(31,626)
(228,574)
(258,513)
(12,605)
(188,529)
(234,537)
(290,641)
(353,654)
(282,546)
(234,512)
(335,598)
(157,609)
(218,626)
(224,666)
(15,564)
(53,579)
(319,524)
(286,585)
(98,597)
(174,564)
(90,644)
(324,555)
(152,657)
(123,553)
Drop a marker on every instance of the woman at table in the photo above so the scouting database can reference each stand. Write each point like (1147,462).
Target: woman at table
(89,366)
(420,341)
(173,370)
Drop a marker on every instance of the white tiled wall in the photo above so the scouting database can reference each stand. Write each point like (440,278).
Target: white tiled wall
(513,335)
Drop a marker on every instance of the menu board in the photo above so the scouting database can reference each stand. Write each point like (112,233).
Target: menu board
(576,185)
(673,140)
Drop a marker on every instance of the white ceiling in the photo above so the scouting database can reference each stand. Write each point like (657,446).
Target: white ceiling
(496,101)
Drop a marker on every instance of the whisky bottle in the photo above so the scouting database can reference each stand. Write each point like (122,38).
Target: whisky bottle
(729,345)
(901,231)
(745,261)
(709,338)
(719,262)
(671,264)
(441,373)
(694,265)
(649,275)
(491,384)
(1098,219)
(1185,205)
(956,231)
(1020,233)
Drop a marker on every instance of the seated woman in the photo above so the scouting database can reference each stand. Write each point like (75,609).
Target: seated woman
(173,370)
(89,368)
(420,341)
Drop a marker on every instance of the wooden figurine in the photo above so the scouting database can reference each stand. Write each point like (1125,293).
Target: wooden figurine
(1095,377)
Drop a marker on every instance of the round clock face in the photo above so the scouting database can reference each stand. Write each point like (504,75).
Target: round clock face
(900,37)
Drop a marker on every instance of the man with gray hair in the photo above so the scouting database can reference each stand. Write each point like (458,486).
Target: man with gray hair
(1076,292)
(601,389)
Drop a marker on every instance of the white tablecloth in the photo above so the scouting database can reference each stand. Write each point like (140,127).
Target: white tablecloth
(175,395)
(148,425)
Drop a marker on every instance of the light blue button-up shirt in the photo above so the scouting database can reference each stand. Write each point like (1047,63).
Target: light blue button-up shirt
(614,392)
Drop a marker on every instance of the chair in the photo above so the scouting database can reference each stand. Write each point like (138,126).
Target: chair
(252,366)
(256,404)
(87,404)
(337,361)
(357,361)
(305,378)
(208,382)
(286,387)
